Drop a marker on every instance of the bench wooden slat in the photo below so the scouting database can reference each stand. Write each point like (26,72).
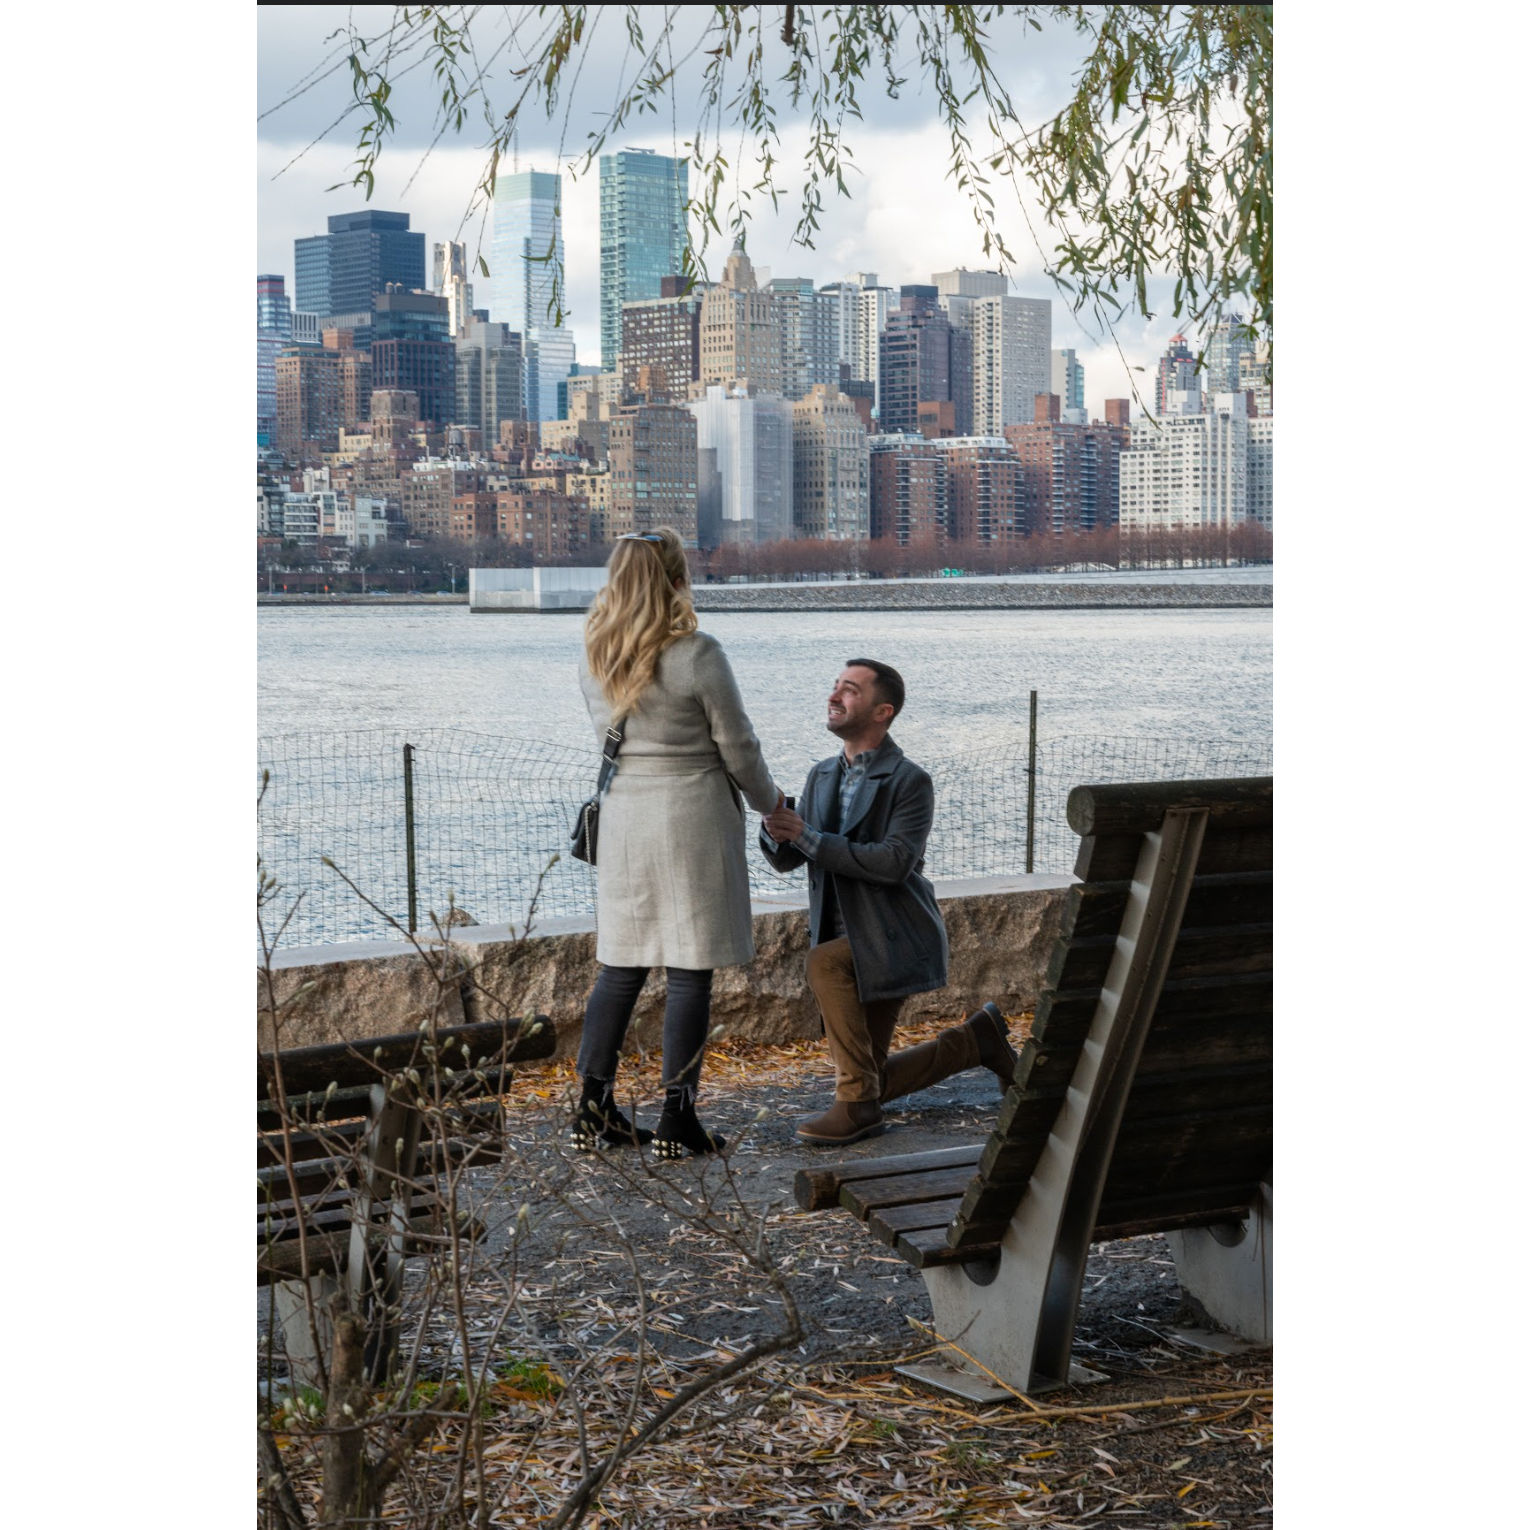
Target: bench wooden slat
(817,1188)
(863,1196)
(1223,951)
(312,1107)
(1238,850)
(314,1175)
(1150,1142)
(489,1042)
(343,1136)
(888,1221)
(1227,1201)
(926,1247)
(328,1251)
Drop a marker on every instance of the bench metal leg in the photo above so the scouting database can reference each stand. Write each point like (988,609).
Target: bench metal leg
(293,1300)
(1228,1273)
(1016,1318)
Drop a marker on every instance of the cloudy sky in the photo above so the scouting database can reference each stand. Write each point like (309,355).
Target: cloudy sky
(904,218)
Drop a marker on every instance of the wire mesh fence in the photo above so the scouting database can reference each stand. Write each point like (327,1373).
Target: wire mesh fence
(484,816)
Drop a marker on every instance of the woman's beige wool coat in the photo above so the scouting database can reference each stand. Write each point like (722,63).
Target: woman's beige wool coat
(672,884)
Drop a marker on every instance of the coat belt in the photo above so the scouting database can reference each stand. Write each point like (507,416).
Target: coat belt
(668,764)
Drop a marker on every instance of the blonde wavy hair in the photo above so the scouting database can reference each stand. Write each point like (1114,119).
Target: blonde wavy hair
(644,605)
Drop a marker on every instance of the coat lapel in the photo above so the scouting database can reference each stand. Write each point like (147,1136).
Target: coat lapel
(825,784)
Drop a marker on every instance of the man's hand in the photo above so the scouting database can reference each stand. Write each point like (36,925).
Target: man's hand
(784,825)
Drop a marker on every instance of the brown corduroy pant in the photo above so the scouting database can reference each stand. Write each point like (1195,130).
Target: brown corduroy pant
(859,1035)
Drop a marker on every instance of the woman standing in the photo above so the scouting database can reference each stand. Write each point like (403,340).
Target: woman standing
(672,882)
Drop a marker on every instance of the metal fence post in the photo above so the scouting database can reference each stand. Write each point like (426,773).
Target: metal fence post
(1030,795)
(409,828)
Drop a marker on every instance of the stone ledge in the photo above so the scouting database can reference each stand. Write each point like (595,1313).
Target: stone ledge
(1001,931)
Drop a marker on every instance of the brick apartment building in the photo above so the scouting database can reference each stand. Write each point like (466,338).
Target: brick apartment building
(1070,474)
(908,489)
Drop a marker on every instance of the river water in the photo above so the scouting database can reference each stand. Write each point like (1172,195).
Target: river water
(492,704)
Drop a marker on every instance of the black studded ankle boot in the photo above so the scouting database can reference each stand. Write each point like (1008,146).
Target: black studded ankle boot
(599,1121)
(679,1131)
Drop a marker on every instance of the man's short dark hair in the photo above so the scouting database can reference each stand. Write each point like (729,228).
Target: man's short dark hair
(889,684)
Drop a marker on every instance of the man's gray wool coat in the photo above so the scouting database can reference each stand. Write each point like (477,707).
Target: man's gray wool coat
(888,908)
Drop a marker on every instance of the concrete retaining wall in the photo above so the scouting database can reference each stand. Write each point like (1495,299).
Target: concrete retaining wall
(958,595)
(1001,931)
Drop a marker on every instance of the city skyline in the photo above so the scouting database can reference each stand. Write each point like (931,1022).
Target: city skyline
(883,228)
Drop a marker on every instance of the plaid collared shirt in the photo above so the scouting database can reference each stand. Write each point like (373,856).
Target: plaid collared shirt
(851,774)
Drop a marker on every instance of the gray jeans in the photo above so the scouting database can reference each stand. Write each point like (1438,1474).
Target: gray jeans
(687,1015)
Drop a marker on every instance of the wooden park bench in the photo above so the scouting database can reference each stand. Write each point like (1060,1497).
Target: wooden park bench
(1142,1102)
(352,1139)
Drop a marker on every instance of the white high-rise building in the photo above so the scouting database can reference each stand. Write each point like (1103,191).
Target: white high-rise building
(1194,469)
(1011,355)
(750,434)
(450,280)
(860,315)
(809,325)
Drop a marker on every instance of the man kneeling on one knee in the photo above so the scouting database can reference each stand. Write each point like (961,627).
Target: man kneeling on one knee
(876,931)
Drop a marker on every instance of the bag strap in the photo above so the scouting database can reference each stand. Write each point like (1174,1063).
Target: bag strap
(614,739)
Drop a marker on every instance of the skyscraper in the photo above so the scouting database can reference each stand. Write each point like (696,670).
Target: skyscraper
(1011,355)
(983,492)
(342,271)
(450,280)
(642,235)
(661,343)
(1226,346)
(923,360)
(273,331)
(831,467)
(526,267)
(1011,345)
(412,351)
(1176,373)
(809,325)
(652,451)
(860,312)
(1068,385)
(740,332)
(307,401)
(273,308)
(750,433)
(489,377)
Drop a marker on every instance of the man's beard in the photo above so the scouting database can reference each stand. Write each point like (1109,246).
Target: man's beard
(838,727)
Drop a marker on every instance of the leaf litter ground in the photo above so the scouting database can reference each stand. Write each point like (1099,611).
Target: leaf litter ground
(824,1433)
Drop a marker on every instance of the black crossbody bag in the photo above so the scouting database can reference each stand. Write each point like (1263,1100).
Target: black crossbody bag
(586,828)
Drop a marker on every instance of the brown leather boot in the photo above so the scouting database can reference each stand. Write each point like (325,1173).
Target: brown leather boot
(844,1121)
(995,1053)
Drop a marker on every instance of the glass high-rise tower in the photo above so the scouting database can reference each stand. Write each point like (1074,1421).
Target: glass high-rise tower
(524,266)
(342,271)
(642,235)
